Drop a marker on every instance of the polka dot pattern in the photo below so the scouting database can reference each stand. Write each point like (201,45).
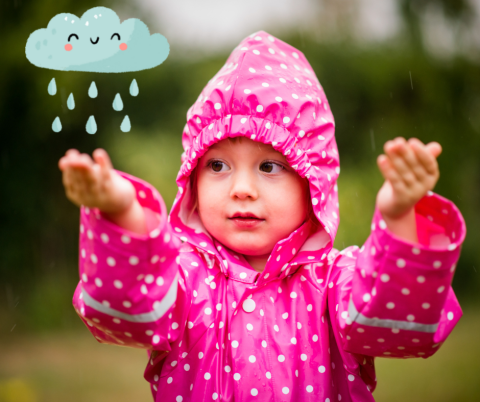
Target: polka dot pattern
(237,317)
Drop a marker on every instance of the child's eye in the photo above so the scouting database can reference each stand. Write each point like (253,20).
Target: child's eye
(271,167)
(218,166)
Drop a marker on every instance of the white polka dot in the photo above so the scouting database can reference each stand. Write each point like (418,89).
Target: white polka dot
(169,380)
(179,398)
(256,52)
(94,258)
(410,317)
(384,277)
(259,108)
(218,306)
(286,120)
(264,344)
(366,297)
(98,282)
(268,68)
(236,376)
(127,304)
(254,392)
(214,396)
(175,325)
(160,282)
(299,326)
(441,289)
(234,344)
(207,376)
(321,369)
(252,359)
(104,237)
(293,295)
(247,91)
(250,327)
(415,251)
(283,66)
(156,339)
(252,70)
(450,316)
(281,358)
(420,279)
(382,224)
(405,291)
(133,260)
(309,388)
(200,355)
(315,338)
(208,311)
(125,239)
(278,99)
(390,305)
(426,306)
(437,264)
(285,316)
(309,307)
(303,356)
(187,367)
(243,275)
(401,263)
(285,390)
(227,369)
(118,284)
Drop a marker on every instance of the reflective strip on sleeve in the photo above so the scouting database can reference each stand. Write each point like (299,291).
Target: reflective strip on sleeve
(159,307)
(359,318)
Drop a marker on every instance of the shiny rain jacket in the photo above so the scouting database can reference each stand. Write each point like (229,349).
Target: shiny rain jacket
(309,326)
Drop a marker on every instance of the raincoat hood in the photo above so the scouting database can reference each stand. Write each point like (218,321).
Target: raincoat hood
(267,91)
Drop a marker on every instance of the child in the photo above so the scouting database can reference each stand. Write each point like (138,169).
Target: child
(238,293)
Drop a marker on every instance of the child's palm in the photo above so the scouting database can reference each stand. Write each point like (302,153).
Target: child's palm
(410,170)
(94,183)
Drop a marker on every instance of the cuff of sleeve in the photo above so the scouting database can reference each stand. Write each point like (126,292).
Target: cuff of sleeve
(441,231)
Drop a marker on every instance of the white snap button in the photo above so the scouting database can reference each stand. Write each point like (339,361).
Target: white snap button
(248,305)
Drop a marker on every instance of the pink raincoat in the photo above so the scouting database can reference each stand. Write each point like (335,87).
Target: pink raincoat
(309,326)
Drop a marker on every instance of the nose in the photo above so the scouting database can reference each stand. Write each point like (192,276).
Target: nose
(244,186)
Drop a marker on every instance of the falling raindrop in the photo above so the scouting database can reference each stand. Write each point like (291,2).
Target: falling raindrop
(52,87)
(71,102)
(93,91)
(134,88)
(125,126)
(118,103)
(57,125)
(91,125)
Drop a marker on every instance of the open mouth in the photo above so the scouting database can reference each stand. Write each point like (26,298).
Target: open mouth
(94,43)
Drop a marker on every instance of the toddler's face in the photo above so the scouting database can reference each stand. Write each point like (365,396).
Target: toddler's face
(249,198)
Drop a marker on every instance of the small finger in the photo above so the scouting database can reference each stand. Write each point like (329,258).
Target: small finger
(426,158)
(101,157)
(401,166)
(434,148)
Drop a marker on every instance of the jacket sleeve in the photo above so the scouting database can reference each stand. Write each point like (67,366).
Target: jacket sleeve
(393,298)
(131,290)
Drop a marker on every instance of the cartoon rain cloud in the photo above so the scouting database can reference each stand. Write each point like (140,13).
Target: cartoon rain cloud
(97,42)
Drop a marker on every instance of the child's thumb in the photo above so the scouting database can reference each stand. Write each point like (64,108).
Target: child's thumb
(434,148)
(101,157)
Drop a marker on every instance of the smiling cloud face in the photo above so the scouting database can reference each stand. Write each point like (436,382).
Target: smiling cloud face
(97,42)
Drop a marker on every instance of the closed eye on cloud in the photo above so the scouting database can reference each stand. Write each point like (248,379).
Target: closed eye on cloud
(76,36)
(114,35)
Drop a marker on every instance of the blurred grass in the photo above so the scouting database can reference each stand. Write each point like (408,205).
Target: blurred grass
(72,366)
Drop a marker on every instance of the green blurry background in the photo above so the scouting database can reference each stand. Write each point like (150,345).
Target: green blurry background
(377,90)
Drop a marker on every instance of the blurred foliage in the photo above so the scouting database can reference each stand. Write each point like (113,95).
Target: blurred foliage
(376,93)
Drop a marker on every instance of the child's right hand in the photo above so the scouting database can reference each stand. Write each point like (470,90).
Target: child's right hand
(94,183)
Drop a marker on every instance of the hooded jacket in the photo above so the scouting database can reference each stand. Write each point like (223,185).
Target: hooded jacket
(309,326)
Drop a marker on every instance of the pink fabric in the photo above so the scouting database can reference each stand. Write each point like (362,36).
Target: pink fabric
(308,326)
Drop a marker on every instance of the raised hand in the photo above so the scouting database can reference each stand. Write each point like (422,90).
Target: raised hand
(94,184)
(410,170)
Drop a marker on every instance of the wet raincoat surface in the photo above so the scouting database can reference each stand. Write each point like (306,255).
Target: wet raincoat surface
(309,326)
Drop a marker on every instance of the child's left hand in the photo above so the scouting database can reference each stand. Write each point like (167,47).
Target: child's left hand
(410,170)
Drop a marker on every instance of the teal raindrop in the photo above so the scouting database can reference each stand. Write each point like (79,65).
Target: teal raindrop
(52,87)
(71,102)
(91,125)
(134,88)
(118,103)
(93,91)
(126,126)
(57,125)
